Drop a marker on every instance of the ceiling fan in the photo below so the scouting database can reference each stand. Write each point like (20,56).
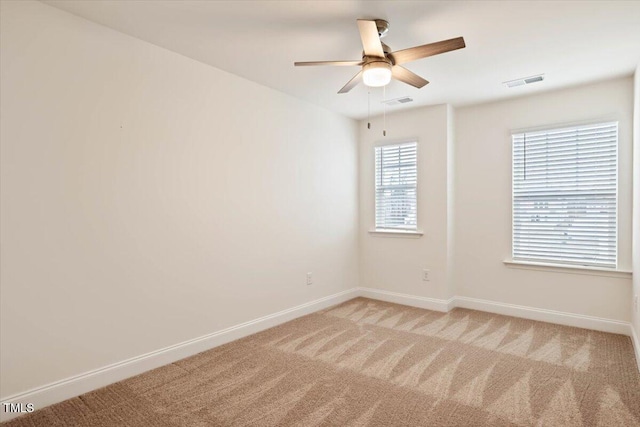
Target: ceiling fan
(379,64)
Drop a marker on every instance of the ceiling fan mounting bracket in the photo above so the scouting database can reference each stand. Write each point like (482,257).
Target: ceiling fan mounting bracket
(383,27)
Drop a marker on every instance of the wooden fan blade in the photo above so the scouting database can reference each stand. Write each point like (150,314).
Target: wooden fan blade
(352,83)
(408,77)
(418,52)
(340,63)
(370,39)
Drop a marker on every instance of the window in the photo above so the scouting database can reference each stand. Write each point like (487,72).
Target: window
(396,182)
(565,195)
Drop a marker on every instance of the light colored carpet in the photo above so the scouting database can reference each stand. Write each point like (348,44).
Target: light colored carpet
(372,363)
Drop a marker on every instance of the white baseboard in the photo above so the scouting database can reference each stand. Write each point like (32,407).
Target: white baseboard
(92,380)
(544,315)
(405,299)
(636,344)
(533,313)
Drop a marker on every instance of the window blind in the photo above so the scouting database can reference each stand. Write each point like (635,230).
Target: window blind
(396,182)
(565,195)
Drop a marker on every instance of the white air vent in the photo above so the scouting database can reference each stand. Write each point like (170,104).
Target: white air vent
(524,81)
(398,101)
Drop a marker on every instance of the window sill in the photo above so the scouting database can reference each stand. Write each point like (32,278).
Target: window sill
(568,269)
(397,233)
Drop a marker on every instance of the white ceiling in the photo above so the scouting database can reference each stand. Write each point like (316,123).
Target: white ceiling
(572,42)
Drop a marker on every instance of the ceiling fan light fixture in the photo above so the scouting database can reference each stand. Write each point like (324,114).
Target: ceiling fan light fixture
(376,74)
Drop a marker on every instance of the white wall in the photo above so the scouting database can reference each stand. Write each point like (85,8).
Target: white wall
(396,263)
(451,202)
(148,199)
(483,201)
(464,204)
(636,208)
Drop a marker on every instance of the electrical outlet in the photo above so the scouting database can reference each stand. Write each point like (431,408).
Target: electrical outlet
(426,275)
(309,279)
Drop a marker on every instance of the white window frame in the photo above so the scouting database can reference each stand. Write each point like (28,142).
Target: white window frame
(564,264)
(395,231)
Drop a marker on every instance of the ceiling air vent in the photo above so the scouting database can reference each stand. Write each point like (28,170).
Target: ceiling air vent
(398,101)
(524,81)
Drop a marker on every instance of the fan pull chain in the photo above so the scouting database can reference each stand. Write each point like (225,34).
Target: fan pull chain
(384,111)
(368,109)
